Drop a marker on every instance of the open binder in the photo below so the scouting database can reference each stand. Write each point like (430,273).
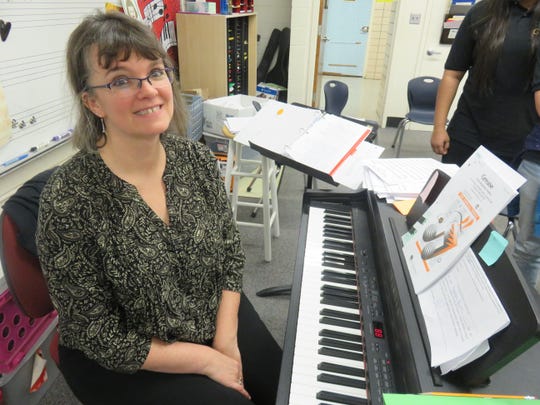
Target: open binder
(324,146)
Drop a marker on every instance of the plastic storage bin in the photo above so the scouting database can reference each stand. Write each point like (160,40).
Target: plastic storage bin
(18,332)
(194,104)
(15,386)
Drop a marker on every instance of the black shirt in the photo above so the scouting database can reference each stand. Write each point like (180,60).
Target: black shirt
(501,120)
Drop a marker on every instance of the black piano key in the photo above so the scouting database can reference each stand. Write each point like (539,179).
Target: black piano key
(340,344)
(342,354)
(339,322)
(340,335)
(339,297)
(338,257)
(338,314)
(337,233)
(338,380)
(341,246)
(337,221)
(347,293)
(339,369)
(336,265)
(333,273)
(341,398)
(329,300)
(339,280)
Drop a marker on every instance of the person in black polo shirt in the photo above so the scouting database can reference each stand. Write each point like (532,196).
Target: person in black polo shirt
(495,44)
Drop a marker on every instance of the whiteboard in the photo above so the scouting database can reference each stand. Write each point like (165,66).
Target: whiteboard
(33,37)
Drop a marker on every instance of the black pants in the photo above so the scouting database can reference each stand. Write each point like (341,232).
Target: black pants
(459,152)
(261,358)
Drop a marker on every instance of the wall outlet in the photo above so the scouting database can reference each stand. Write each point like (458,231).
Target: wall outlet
(414,18)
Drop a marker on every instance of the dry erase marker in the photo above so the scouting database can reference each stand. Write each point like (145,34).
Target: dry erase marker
(65,135)
(39,147)
(15,160)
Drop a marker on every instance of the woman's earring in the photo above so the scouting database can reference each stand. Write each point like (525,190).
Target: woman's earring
(103,129)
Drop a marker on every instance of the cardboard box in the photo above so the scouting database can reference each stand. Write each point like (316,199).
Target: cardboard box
(216,110)
(269,90)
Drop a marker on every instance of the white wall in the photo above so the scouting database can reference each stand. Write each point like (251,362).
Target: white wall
(408,54)
(270,14)
(403,55)
(304,26)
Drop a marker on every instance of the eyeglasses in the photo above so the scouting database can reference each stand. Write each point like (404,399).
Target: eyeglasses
(128,86)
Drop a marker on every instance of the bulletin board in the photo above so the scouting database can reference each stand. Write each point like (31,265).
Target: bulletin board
(34,93)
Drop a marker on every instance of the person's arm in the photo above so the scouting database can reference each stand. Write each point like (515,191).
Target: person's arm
(440,141)
(537,101)
(191,358)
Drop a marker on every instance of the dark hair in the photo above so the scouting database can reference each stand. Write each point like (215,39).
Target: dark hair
(490,32)
(115,36)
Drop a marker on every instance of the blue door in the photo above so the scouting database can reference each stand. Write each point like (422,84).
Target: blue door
(346,35)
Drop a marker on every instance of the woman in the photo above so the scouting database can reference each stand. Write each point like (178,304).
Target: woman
(495,44)
(137,242)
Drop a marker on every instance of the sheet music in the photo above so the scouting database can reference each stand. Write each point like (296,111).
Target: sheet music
(324,142)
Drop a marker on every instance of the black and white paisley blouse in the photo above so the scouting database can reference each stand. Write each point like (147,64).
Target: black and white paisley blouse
(118,275)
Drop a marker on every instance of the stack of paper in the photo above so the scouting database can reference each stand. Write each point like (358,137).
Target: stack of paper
(461,310)
(324,142)
(401,179)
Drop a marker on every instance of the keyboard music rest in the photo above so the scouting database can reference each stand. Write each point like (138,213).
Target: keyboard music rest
(370,373)
(405,325)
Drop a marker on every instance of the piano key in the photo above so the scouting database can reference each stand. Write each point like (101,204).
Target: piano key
(336,368)
(340,335)
(343,305)
(338,303)
(340,274)
(337,380)
(342,354)
(338,314)
(325,320)
(339,280)
(307,383)
(341,399)
(340,344)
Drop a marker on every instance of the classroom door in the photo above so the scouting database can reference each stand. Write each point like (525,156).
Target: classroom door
(432,54)
(346,35)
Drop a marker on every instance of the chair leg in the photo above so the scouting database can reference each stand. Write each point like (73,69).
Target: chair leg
(399,135)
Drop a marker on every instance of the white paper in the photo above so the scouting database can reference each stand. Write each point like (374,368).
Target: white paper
(461,311)
(323,142)
(404,178)
(480,189)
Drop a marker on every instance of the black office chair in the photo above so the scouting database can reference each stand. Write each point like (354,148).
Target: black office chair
(421,96)
(336,94)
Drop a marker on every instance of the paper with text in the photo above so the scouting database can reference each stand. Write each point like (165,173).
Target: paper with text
(324,142)
(479,190)
(461,311)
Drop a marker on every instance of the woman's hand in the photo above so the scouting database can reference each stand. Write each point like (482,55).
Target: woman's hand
(440,141)
(227,371)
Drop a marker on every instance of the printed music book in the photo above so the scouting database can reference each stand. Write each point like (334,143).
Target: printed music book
(480,189)
(460,308)
(321,142)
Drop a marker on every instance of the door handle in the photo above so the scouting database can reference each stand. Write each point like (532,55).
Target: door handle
(432,52)
(325,38)
(365,28)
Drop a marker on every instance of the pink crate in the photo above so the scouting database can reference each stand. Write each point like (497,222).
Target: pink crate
(18,332)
